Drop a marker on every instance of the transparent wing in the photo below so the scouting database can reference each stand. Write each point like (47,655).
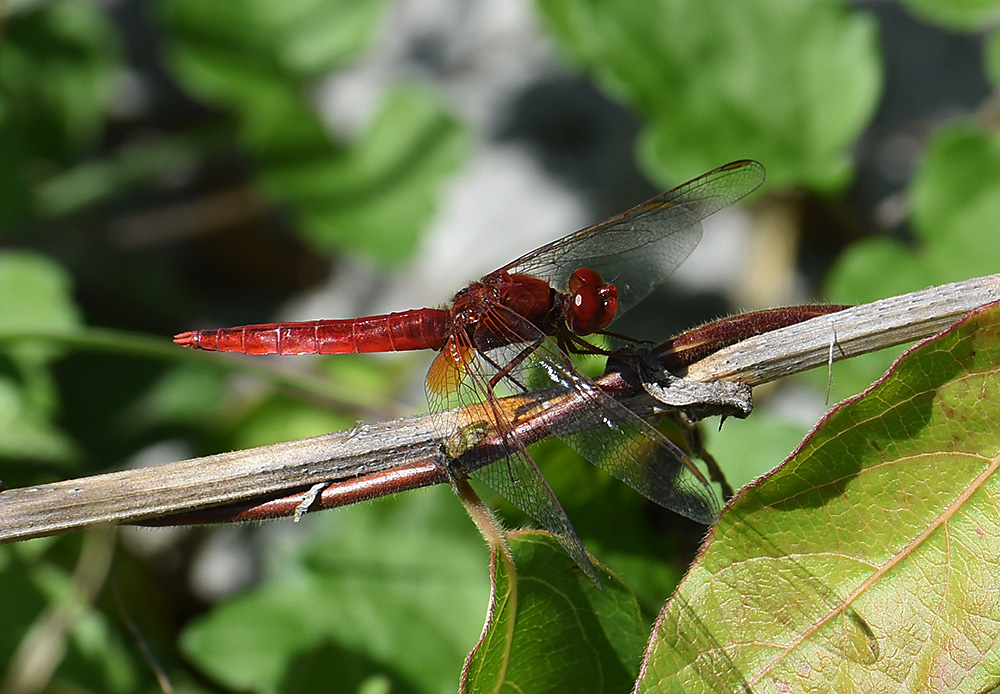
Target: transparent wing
(592,422)
(619,441)
(460,376)
(637,249)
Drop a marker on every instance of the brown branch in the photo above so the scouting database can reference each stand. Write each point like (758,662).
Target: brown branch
(857,330)
(409,448)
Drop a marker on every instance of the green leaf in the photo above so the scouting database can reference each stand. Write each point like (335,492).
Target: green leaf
(867,562)
(345,669)
(299,39)
(56,74)
(788,83)
(27,429)
(396,586)
(187,394)
(991,57)
(955,197)
(957,14)
(34,295)
(749,447)
(962,166)
(319,35)
(550,629)
(283,418)
(859,275)
(98,178)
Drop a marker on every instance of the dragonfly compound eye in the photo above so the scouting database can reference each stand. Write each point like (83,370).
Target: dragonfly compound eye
(584,277)
(592,308)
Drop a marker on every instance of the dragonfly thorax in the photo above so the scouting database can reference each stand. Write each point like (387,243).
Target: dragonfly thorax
(506,308)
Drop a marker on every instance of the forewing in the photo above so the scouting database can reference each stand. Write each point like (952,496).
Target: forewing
(460,376)
(637,249)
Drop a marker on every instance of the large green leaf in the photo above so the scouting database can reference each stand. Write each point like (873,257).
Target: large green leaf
(549,629)
(867,562)
(789,83)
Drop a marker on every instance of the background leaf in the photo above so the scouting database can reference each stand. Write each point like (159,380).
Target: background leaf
(34,295)
(362,591)
(955,199)
(954,195)
(961,14)
(55,80)
(787,83)
(373,196)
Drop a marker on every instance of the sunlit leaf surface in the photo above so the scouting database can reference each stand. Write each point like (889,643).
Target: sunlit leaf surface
(868,562)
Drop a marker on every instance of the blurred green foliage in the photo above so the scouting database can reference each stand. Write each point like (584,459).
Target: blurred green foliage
(257,59)
(393,588)
(954,202)
(34,296)
(788,83)
(389,596)
(56,68)
(959,14)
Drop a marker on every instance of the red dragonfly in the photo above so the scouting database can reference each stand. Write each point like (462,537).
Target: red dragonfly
(512,331)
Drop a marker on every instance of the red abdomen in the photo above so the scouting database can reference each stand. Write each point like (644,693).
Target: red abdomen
(392,332)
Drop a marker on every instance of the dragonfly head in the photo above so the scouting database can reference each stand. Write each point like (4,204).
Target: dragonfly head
(592,303)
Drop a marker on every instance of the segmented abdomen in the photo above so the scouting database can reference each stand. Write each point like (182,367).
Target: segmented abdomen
(391,332)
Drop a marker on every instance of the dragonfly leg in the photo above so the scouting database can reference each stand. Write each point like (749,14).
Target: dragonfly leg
(489,527)
(574,344)
(507,370)
(694,445)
